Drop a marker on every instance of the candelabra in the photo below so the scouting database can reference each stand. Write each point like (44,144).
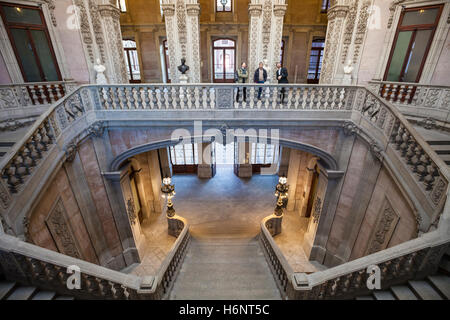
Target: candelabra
(168,191)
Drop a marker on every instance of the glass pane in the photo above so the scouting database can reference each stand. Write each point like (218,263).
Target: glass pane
(172,154)
(22,15)
(218,64)
(229,64)
(398,58)
(45,55)
(188,154)
(179,154)
(129,44)
(26,55)
(135,65)
(422,16)
(416,56)
(224,43)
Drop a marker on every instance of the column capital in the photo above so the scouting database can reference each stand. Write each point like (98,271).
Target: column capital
(254,10)
(337,11)
(168,9)
(193,9)
(108,10)
(279,10)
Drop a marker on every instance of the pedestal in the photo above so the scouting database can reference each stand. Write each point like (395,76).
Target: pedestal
(274,225)
(175,226)
(245,170)
(204,171)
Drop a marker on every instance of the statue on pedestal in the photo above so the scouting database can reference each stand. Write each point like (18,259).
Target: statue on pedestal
(348,70)
(100,69)
(183,68)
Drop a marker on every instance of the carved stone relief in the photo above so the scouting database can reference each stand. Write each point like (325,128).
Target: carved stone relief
(383,229)
(59,227)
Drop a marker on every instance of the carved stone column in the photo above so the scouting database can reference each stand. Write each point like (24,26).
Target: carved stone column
(183,38)
(99,22)
(346,33)
(265,33)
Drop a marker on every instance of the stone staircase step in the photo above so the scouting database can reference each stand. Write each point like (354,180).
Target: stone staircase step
(424,290)
(5,288)
(44,295)
(365,298)
(445,264)
(403,293)
(64,298)
(383,295)
(441,283)
(22,293)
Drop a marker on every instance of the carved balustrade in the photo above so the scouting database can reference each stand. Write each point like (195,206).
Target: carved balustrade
(32,265)
(416,99)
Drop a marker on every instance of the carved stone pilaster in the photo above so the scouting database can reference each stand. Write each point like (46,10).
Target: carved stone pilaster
(97,129)
(70,152)
(183,37)
(265,33)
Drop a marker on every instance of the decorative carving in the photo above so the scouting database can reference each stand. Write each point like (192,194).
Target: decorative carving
(383,229)
(428,123)
(317,210)
(131,210)
(8,99)
(97,129)
(224,98)
(59,227)
(394,4)
(26,229)
(438,192)
(51,8)
(361,29)
(5,196)
(350,129)
(376,150)
(71,152)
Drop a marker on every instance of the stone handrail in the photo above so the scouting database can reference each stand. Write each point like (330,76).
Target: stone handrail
(416,99)
(410,260)
(32,265)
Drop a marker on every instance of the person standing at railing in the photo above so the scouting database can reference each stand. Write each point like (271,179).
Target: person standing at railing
(282,75)
(260,77)
(241,77)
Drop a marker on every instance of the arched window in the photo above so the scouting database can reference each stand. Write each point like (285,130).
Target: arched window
(132,61)
(224,5)
(224,63)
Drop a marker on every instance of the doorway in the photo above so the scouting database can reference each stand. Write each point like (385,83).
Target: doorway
(224,63)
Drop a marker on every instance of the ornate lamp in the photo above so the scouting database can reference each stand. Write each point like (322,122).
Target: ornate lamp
(168,191)
(281,192)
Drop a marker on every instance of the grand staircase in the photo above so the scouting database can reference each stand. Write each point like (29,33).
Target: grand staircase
(225,269)
(436,287)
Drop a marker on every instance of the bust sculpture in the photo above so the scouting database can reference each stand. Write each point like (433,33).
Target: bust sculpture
(348,68)
(183,68)
(100,69)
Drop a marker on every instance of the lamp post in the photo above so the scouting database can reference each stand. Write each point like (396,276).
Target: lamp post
(281,192)
(168,191)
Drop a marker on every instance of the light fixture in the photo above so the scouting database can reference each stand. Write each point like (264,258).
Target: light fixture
(168,192)
(281,192)
(18,9)
(421,11)
(224,2)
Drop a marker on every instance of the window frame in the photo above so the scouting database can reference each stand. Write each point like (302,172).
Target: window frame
(223,11)
(224,80)
(26,26)
(130,70)
(166,60)
(414,29)
(120,6)
(184,168)
(320,53)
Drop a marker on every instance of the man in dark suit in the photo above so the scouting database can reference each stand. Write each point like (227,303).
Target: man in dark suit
(282,75)
(260,77)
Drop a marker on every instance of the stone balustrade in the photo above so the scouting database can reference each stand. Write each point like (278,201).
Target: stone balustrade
(32,265)
(31,99)
(415,99)
(413,259)
(357,110)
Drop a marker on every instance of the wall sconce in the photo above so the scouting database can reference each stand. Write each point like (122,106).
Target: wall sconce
(168,191)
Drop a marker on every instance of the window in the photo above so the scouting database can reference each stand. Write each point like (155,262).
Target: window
(31,43)
(184,158)
(132,61)
(315,60)
(264,153)
(325,6)
(223,5)
(122,5)
(412,41)
(224,60)
(282,52)
(166,61)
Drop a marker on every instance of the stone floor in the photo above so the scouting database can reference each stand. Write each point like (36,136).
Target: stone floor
(225,207)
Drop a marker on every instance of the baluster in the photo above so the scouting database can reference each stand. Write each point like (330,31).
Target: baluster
(212,98)
(154,99)
(119,291)
(132,93)
(33,94)
(184,97)
(251,97)
(123,99)
(308,98)
(204,97)
(114,93)
(189,96)
(109,103)
(196,97)
(139,98)
(159,97)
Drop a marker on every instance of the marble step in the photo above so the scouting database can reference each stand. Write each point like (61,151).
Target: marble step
(5,288)
(44,295)
(441,283)
(403,293)
(424,290)
(22,293)
(383,295)
(365,298)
